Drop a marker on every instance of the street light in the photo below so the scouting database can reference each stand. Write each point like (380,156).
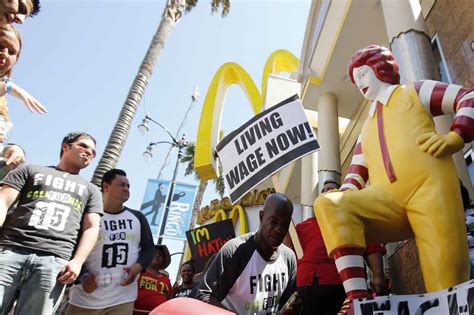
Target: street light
(148,155)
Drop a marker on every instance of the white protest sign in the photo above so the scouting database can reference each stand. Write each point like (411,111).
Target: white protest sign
(265,144)
(457,300)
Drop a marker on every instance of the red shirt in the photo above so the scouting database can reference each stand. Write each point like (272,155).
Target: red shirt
(315,258)
(152,291)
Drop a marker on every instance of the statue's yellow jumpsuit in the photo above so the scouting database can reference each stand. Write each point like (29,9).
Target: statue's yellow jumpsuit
(423,202)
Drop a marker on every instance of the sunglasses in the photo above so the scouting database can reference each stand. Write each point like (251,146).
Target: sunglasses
(85,146)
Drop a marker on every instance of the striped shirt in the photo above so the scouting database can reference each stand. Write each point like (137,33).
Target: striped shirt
(438,99)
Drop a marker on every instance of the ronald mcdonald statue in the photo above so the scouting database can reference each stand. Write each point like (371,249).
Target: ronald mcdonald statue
(413,189)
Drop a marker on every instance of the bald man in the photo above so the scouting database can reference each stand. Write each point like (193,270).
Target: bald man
(254,273)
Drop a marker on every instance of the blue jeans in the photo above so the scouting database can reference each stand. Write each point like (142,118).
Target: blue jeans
(30,278)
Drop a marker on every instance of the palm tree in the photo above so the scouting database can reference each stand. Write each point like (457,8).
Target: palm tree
(174,10)
(188,157)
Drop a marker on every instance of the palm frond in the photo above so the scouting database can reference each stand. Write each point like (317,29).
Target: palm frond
(188,158)
(220,183)
(225,4)
(190,4)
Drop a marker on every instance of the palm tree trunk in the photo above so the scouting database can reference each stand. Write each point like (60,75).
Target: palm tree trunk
(197,203)
(172,13)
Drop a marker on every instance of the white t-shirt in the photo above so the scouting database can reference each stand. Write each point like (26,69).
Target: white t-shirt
(259,287)
(243,282)
(118,246)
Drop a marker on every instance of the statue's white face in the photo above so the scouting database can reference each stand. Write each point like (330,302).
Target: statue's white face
(367,83)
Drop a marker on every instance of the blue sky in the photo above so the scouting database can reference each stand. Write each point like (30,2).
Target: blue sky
(79,59)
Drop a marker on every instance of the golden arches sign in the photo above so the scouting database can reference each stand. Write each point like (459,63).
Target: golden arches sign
(237,213)
(220,216)
(227,75)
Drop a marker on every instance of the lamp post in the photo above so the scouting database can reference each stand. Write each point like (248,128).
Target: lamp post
(148,155)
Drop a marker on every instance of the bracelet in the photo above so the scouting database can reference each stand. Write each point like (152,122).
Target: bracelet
(8,85)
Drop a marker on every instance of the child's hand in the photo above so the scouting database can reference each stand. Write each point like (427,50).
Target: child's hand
(30,102)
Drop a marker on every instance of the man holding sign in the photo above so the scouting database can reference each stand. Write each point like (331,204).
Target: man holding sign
(254,273)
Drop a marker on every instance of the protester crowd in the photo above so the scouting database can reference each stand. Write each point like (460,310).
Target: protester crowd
(57,230)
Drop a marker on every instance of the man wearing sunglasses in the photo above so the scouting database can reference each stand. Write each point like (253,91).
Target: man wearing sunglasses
(49,218)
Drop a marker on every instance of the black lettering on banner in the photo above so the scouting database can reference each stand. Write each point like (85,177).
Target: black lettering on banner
(237,147)
(453,304)
(265,126)
(233,177)
(243,171)
(250,136)
(283,142)
(426,306)
(272,148)
(367,309)
(374,307)
(296,134)
(470,300)
(309,130)
(114,254)
(276,120)
(403,308)
(252,162)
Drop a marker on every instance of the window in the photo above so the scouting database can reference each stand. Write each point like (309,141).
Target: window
(439,59)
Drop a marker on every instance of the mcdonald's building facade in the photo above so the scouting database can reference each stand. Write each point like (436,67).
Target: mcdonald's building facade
(431,39)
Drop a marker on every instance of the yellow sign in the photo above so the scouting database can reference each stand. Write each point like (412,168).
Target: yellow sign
(236,213)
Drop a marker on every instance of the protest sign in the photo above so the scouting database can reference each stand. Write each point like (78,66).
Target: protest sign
(457,300)
(265,144)
(208,239)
